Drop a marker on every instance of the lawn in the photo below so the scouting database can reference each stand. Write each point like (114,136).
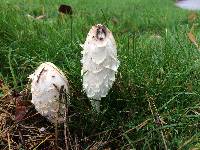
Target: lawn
(154,102)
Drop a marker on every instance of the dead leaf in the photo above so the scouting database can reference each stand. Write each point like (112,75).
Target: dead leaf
(192,17)
(40,17)
(21,109)
(37,18)
(193,39)
(141,125)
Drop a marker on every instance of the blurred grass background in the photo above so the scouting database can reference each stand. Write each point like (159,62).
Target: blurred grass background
(159,65)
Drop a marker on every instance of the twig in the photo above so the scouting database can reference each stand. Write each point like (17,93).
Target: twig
(157,119)
(40,74)
(42,142)
(9,145)
(21,137)
(64,97)
(164,141)
(187,142)
(76,143)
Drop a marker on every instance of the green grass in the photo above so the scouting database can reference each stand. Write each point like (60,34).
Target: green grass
(164,69)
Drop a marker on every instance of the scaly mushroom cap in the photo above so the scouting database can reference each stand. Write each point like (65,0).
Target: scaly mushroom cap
(47,81)
(99,63)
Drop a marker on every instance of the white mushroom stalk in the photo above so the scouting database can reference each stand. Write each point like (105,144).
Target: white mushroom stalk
(47,84)
(99,63)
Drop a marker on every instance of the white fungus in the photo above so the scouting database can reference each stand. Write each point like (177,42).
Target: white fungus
(47,83)
(99,63)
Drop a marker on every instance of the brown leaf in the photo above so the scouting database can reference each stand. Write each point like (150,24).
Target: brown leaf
(192,17)
(193,39)
(21,109)
(40,17)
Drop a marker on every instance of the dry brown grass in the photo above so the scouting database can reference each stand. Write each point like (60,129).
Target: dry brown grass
(22,127)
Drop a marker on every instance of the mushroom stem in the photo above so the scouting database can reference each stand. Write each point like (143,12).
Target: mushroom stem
(95,104)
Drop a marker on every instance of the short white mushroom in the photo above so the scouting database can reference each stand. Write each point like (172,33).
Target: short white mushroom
(47,84)
(99,63)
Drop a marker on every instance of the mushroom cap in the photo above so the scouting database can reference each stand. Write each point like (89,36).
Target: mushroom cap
(99,62)
(46,84)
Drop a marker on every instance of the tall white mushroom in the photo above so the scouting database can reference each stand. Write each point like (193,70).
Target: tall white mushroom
(99,63)
(48,82)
